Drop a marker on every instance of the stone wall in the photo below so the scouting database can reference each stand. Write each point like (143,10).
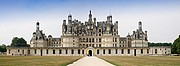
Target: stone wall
(99,51)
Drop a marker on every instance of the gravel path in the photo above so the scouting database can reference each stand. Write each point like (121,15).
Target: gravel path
(90,61)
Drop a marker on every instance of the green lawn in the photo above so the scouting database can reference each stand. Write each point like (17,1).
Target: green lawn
(37,60)
(143,60)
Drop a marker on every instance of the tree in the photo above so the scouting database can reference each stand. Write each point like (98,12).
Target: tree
(3,48)
(158,44)
(176,46)
(19,42)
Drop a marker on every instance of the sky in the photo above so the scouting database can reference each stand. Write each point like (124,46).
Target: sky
(160,18)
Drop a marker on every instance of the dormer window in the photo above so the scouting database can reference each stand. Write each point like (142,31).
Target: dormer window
(99,30)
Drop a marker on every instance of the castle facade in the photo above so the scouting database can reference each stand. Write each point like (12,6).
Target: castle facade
(90,38)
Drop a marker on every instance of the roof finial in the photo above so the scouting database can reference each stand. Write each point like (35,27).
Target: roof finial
(90,11)
(69,12)
(110,12)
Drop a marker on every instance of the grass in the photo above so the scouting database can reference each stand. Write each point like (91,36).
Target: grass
(37,60)
(143,60)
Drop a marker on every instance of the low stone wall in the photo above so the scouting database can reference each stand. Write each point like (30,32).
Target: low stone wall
(97,51)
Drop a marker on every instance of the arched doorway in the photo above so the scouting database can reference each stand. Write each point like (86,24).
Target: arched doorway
(41,52)
(134,52)
(90,53)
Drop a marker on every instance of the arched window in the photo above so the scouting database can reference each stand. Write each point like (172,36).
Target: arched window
(53,51)
(109,51)
(59,51)
(104,51)
(98,51)
(78,51)
(72,51)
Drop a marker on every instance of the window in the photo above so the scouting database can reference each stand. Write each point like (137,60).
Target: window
(92,45)
(47,51)
(128,51)
(98,51)
(83,39)
(96,45)
(82,51)
(72,51)
(116,51)
(99,39)
(155,51)
(99,30)
(83,45)
(115,39)
(22,51)
(28,51)
(86,45)
(99,45)
(89,39)
(86,39)
(103,51)
(66,51)
(59,51)
(18,50)
(147,51)
(92,39)
(9,51)
(109,51)
(78,51)
(141,51)
(53,51)
(34,51)
(122,51)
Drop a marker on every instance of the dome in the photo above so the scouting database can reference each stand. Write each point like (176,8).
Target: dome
(49,36)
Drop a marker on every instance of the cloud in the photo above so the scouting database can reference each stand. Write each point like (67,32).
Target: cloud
(160,19)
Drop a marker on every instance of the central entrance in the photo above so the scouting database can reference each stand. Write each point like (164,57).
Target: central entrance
(90,53)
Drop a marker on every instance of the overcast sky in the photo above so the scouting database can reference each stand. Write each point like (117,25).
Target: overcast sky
(160,18)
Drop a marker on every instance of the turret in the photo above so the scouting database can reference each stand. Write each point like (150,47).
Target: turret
(69,23)
(90,15)
(64,22)
(69,18)
(37,26)
(109,19)
(140,26)
(34,34)
(64,27)
(146,36)
(94,21)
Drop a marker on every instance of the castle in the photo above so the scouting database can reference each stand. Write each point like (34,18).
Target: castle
(91,38)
